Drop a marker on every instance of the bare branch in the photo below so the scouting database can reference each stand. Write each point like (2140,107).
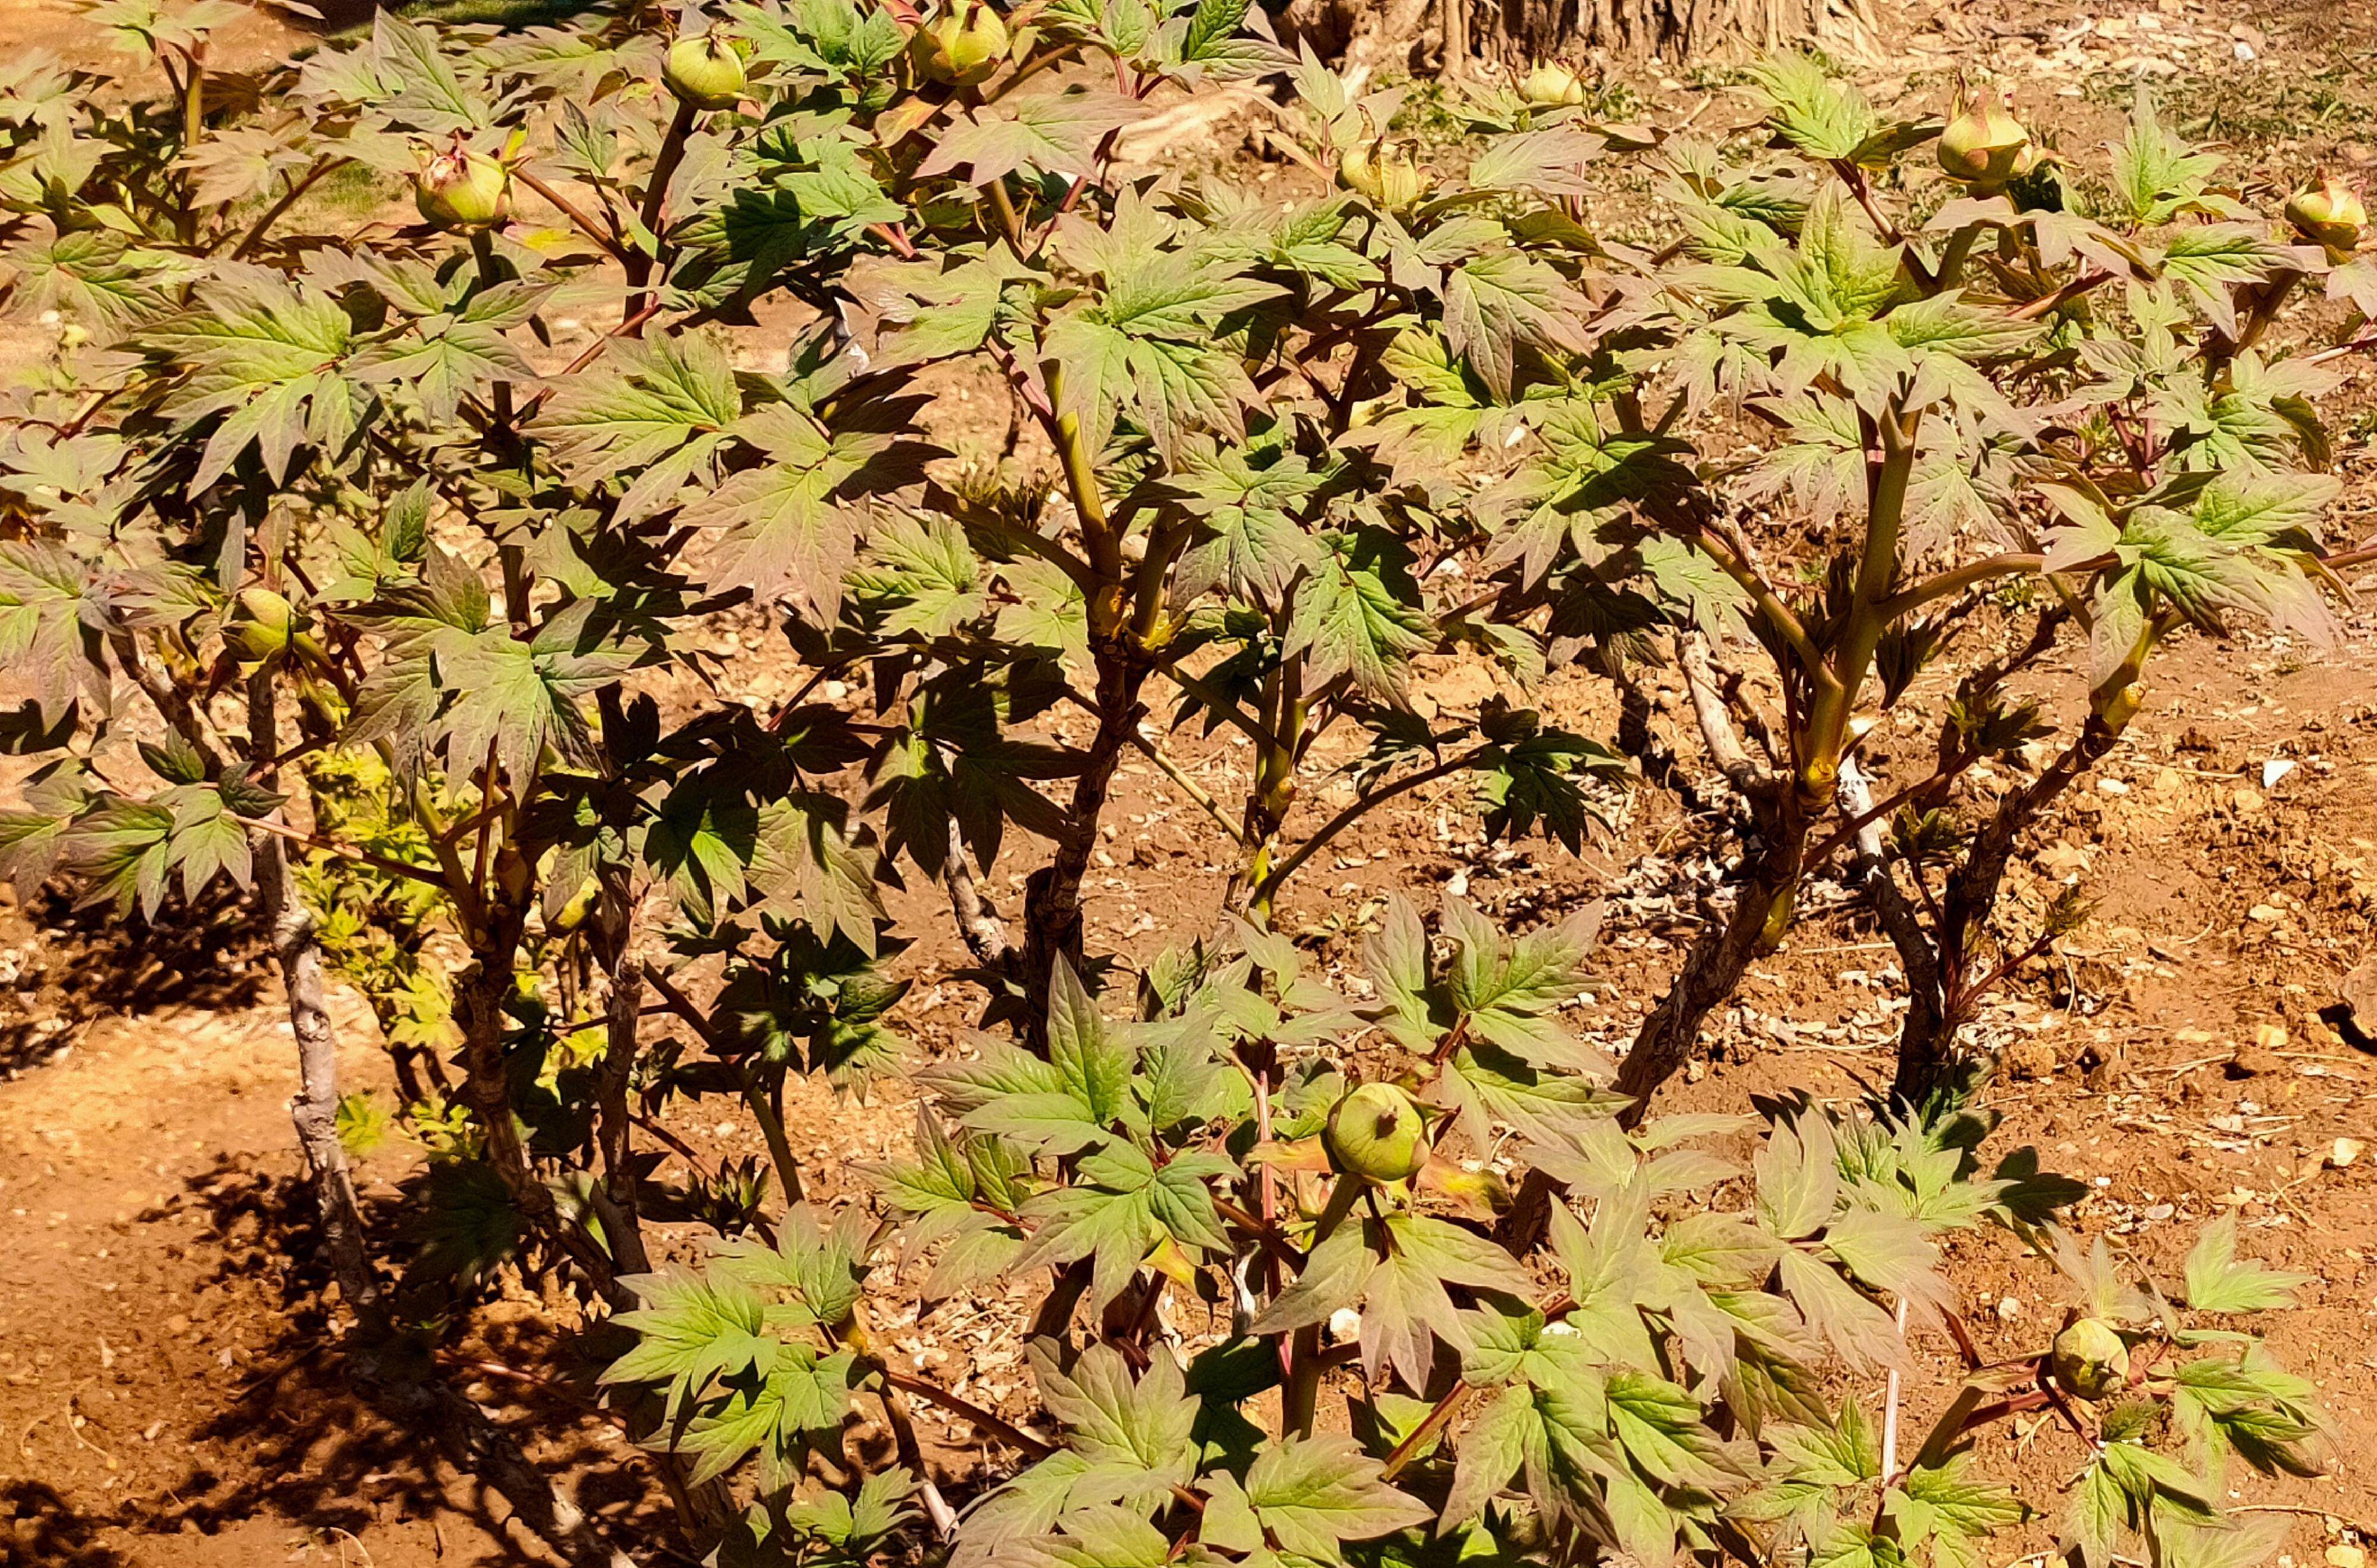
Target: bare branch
(1718,733)
(985,932)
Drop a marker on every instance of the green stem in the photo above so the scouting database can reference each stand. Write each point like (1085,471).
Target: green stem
(1952,259)
(1217,702)
(755,1094)
(491,275)
(1829,705)
(1038,1447)
(194,130)
(1163,547)
(1430,1426)
(608,243)
(1010,222)
(289,198)
(1778,615)
(1439,1417)
(761,1098)
(1948,584)
(1275,788)
(1300,1400)
(2047,305)
(640,265)
(2267,298)
(1197,794)
(1301,1397)
(344,852)
(1098,539)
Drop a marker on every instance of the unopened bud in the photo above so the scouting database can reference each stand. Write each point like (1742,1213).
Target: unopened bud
(2117,708)
(2330,215)
(462,188)
(1983,146)
(962,46)
(1377,1133)
(1383,172)
(2091,1358)
(1550,85)
(259,624)
(706,71)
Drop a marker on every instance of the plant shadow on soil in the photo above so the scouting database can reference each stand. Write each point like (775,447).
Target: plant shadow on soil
(49,1532)
(313,1451)
(80,960)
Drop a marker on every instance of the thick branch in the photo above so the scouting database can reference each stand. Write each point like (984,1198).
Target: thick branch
(2047,305)
(1007,1432)
(315,1110)
(173,704)
(1787,623)
(280,829)
(1948,584)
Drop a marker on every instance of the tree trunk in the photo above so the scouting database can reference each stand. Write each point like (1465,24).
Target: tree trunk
(1364,35)
(479,1001)
(1517,33)
(1052,904)
(1713,969)
(615,940)
(315,1110)
(1927,1054)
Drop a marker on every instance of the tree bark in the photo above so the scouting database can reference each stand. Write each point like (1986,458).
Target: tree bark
(614,940)
(1713,969)
(315,1110)
(1517,33)
(1360,35)
(479,999)
(1052,908)
(1717,959)
(1927,1054)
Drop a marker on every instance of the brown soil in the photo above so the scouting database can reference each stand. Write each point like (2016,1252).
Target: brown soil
(168,1396)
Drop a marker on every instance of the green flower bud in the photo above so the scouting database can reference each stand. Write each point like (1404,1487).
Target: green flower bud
(1983,146)
(706,71)
(963,46)
(1377,1133)
(2090,1359)
(260,626)
(1551,85)
(1383,172)
(461,188)
(2331,215)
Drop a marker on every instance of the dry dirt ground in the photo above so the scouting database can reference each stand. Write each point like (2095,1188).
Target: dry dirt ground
(163,1396)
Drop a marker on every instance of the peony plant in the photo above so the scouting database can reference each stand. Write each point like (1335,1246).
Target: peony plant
(350,564)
